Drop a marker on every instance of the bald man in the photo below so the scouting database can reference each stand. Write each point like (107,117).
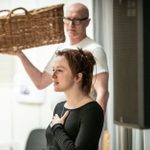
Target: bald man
(76,21)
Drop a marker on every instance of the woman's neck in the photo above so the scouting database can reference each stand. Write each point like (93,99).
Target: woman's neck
(76,99)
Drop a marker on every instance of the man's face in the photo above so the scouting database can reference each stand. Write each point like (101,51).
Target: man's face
(75,23)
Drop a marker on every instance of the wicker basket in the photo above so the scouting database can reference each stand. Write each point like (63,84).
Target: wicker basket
(32,28)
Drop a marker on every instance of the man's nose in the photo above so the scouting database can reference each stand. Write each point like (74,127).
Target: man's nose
(71,23)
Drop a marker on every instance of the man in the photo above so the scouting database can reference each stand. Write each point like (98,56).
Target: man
(76,20)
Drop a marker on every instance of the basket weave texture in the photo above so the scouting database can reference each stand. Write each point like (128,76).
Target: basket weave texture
(32,28)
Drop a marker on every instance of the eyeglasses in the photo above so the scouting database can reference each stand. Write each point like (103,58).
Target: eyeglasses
(75,21)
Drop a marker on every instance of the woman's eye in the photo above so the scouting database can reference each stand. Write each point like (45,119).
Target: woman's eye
(59,70)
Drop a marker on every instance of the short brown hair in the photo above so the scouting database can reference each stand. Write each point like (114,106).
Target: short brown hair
(80,61)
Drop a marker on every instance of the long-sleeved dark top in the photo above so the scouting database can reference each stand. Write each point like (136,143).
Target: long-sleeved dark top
(81,130)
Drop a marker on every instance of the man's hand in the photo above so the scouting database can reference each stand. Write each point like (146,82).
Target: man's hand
(17,52)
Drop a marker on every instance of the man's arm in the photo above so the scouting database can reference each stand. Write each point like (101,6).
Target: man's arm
(100,84)
(40,79)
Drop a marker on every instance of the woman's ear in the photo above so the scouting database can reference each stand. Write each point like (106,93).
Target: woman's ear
(79,77)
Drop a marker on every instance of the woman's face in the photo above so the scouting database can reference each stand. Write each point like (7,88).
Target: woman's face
(62,76)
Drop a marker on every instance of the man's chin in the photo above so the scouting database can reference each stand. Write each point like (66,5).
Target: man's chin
(71,33)
(57,90)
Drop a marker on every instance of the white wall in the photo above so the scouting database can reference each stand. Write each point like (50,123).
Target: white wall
(20,113)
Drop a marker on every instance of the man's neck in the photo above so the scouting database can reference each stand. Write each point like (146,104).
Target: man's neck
(74,41)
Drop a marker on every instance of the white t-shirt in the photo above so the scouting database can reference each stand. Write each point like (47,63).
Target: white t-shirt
(93,47)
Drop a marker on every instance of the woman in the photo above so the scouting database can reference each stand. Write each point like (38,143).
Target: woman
(77,122)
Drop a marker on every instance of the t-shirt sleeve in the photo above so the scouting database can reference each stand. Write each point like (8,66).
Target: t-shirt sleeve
(101,61)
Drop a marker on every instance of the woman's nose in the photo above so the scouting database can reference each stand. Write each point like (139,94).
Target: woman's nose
(53,74)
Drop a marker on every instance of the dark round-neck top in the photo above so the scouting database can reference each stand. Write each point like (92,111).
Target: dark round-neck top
(81,130)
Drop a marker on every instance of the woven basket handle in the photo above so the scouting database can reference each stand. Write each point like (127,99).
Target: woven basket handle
(19,8)
(5,10)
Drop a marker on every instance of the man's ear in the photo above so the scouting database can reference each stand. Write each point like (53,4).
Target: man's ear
(88,21)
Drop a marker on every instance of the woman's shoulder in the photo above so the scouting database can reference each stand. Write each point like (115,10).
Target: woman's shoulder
(93,105)
(92,110)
